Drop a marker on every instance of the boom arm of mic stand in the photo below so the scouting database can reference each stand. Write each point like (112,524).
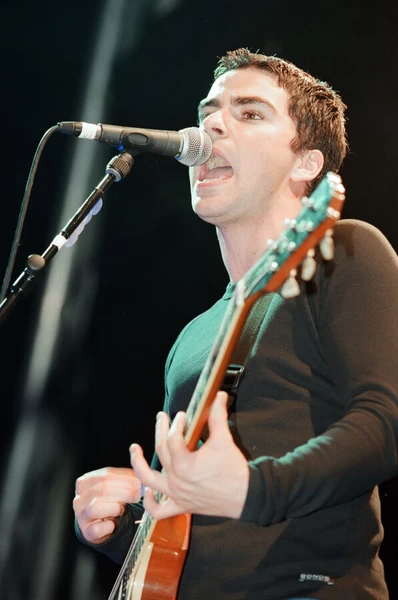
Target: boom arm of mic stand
(116,170)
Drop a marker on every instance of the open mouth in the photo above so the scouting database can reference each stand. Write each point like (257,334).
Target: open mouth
(215,169)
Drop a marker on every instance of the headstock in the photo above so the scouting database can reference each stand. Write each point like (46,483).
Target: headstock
(312,226)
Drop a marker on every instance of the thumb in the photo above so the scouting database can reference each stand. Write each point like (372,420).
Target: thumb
(218,417)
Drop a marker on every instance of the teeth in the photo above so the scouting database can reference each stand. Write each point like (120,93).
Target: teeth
(213,180)
(211,163)
(216,161)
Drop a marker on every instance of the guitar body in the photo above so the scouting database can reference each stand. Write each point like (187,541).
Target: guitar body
(157,572)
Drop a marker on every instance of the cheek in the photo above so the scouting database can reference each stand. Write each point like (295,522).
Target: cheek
(254,169)
(269,164)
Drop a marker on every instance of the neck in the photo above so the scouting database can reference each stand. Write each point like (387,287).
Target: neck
(242,244)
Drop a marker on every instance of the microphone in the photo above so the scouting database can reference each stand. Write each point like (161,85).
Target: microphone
(190,146)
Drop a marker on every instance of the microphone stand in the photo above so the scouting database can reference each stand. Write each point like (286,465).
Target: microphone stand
(116,170)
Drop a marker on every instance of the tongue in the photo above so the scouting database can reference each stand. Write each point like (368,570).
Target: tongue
(219,173)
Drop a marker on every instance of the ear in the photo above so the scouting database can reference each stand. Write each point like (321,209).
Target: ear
(308,166)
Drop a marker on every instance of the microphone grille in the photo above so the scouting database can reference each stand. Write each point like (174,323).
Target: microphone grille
(196,148)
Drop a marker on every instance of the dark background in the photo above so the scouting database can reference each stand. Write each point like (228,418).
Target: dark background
(145,265)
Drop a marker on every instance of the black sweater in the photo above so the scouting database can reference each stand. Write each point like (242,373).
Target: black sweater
(317,418)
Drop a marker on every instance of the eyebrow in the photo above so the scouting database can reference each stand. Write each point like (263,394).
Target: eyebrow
(236,101)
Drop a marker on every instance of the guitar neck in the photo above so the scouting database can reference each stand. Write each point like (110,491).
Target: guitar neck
(212,375)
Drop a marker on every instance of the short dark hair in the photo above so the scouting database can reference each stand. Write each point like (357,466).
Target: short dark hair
(316,109)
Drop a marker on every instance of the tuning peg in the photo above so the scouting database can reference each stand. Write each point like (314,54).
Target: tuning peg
(326,245)
(272,245)
(308,266)
(290,223)
(290,288)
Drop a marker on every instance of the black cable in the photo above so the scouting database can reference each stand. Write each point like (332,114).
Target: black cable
(23,210)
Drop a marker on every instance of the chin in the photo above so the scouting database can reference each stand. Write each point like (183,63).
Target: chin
(206,213)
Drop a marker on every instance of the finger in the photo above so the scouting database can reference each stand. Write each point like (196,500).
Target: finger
(161,434)
(149,477)
(97,510)
(218,410)
(112,477)
(160,510)
(128,491)
(218,419)
(178,425)
(176,441)
(99,532)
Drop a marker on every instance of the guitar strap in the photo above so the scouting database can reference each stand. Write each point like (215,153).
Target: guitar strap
(236,369)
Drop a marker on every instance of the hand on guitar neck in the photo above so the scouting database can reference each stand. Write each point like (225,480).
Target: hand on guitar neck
(212,480)
(101,497)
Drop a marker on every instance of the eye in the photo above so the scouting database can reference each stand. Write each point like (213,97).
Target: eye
(252,115)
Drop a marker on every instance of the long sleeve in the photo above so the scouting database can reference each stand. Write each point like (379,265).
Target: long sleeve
(354,306)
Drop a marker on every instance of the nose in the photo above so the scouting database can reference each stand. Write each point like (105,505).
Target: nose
(214,125)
